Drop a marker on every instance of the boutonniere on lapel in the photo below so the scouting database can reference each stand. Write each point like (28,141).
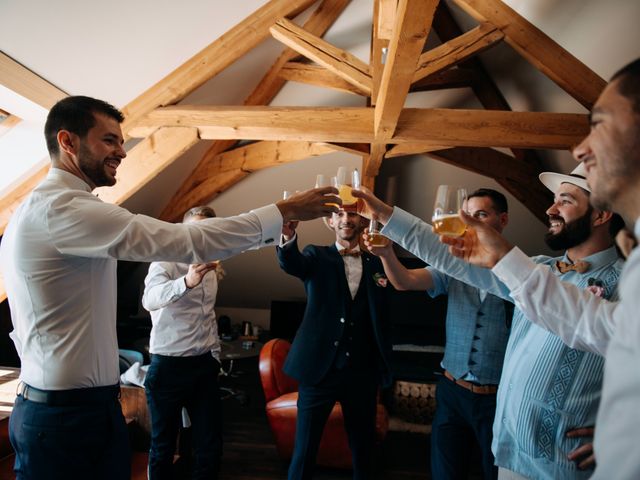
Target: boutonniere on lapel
(380,280)
(596,287)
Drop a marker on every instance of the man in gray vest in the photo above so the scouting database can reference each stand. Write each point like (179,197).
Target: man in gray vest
(477,326)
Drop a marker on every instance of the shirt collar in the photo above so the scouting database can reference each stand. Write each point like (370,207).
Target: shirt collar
(68,179)
(354,249)
(636,230)
(598,259)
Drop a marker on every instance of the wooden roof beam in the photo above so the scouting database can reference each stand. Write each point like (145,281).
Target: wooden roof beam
(404,149)
(451,78)
(513,174)
(147,159)
(31,86)
(384,19)
(27,84)
(483,85)
(340,62)
(233,165)
(457,50)
(318,23)
(318,76)
(212,60)
(413,22)
(452,127)
(537,48)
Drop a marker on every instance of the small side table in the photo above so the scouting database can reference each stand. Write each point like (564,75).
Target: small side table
(235,350)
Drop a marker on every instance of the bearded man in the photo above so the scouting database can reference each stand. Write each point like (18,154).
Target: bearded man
(341,350)
(549,393)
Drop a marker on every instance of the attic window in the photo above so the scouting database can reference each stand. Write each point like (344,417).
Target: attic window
(7,122)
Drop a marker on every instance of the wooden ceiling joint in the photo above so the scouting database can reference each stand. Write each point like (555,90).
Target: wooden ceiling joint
(336,60)
(267,88)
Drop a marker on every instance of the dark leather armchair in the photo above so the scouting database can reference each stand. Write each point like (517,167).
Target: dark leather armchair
(281,394)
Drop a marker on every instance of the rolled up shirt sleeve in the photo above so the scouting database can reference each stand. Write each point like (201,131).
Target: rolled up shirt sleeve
(160,289)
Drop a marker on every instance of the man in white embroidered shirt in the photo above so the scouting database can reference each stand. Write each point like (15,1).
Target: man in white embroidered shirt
(548,394)
(611,155)
(59,255)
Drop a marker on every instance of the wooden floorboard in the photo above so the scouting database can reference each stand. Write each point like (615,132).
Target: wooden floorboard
(250,454)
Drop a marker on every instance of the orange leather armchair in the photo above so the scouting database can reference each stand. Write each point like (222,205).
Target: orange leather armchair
(281,394)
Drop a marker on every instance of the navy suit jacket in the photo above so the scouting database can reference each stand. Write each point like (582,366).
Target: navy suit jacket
(315,344)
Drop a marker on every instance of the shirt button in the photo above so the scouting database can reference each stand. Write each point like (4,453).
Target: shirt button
(335,344)
(504,419)
(511,386)
(347,354)
(342,320)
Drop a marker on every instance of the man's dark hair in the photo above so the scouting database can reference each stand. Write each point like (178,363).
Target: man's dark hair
(615,225)
(629,83)
(201,211)
(498,200)
(75,114)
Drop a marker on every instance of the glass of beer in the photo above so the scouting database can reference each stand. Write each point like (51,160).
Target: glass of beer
(345,182)
(376,239)
(449,200)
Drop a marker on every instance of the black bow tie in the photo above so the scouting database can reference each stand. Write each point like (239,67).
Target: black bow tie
(350,253)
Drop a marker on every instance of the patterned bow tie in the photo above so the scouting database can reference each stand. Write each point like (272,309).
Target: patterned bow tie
(350,253)
(580,266)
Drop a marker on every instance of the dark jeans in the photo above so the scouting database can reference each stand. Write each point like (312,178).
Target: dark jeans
(192,382)
(357,393)
(70,442)
(461,418)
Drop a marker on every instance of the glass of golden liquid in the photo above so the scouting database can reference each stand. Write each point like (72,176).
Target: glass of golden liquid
(376,239)
(345,182)
(449,200)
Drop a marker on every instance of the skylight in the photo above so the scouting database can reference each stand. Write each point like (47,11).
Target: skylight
(22,145)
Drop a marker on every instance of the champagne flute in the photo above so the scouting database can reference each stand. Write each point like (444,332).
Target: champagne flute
(344,183)
(449,200)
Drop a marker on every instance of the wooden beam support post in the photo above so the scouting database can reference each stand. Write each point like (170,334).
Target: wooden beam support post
(447,127)
(457,50)
(339,61)
(513,174)
(413,22)
(541,51)
(232,166)
(212,59)
(319,76)
(318,23)
(147,159)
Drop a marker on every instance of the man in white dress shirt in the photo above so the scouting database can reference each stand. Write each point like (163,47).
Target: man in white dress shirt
(59,255)
(611,155)
(185,361)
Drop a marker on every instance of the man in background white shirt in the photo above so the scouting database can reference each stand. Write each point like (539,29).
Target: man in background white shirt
(185,361)
(59,255)
(611,155)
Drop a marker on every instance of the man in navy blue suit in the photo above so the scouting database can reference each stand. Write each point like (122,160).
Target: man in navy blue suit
(342,348)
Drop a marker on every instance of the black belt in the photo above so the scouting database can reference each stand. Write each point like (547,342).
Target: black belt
(77,396)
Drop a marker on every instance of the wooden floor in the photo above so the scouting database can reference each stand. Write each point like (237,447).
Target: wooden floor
(249,452)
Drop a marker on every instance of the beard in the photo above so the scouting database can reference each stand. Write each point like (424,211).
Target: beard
(572,234)
(94,168)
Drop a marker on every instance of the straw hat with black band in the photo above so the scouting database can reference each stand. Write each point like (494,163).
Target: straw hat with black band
(577,177)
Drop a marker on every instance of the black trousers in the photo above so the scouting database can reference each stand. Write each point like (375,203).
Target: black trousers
(461,418)
(192,382)
(70,441)
(356,391)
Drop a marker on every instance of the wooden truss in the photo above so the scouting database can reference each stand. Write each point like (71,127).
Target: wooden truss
(383,129)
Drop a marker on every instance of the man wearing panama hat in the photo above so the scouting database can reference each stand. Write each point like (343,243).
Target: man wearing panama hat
(548,393)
